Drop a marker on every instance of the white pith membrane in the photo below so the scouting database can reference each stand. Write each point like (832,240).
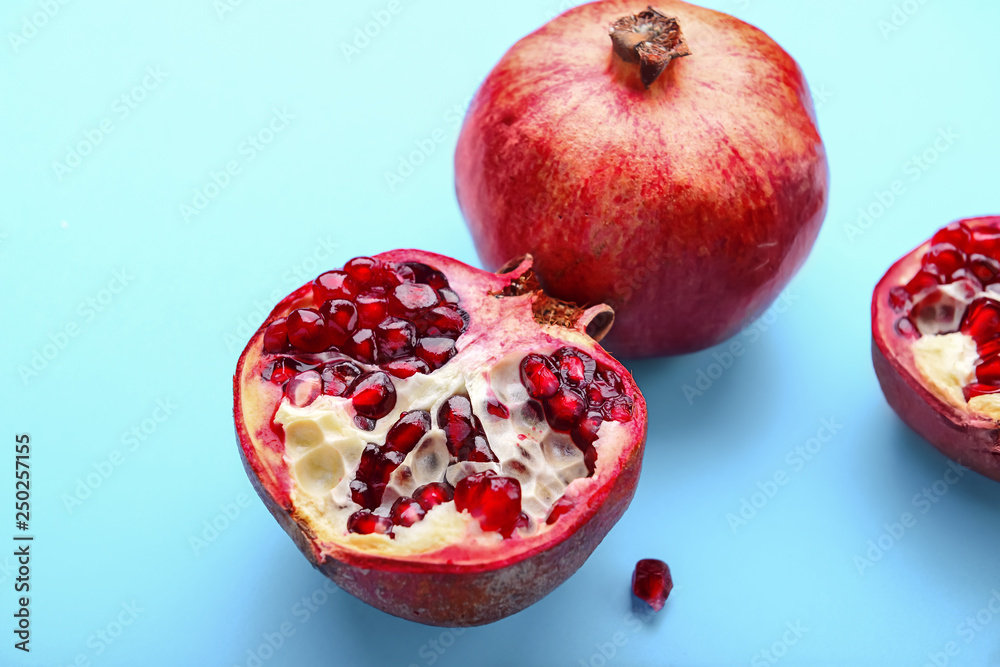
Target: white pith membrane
(945,358)
(323,449)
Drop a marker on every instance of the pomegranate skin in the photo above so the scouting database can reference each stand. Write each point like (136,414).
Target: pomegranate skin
(686,207)
(453,587)
(967,438)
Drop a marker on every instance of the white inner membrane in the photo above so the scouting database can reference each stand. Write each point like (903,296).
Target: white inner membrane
(323,450)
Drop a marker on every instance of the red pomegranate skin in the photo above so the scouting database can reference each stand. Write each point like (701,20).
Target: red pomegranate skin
(687,207)
(970,439)
(456,586)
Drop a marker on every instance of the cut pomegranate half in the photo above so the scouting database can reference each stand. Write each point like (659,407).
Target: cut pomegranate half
(446,444)
(936,341)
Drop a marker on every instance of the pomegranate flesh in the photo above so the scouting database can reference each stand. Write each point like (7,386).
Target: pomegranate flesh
(651,582)
(936,341)
(673,171)
(452,462)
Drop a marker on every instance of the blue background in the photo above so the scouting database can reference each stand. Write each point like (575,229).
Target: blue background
(190,288)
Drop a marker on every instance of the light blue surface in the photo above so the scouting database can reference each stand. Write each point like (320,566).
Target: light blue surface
(317,195)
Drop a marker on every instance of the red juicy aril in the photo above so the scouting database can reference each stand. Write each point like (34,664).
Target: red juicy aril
(673,171)
(446,444)
(936,341)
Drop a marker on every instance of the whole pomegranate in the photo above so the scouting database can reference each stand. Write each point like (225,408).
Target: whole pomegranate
(936,341)
(673,171)
(444,443)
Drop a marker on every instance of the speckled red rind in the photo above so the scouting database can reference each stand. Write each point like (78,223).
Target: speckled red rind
(686,207)
(453,587)
(968,439)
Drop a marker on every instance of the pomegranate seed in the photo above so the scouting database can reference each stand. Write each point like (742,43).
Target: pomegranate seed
(575,366)
(456,419)
(373,395)
(387,463)
(276,337)
(425,274)
(404,274)
(538,377)
(943,259)
(989,349)
(341,319)
(371,310)
(411,299)
(957,234)
(337,376)
(497,409)
(364,423)
(618,409)
(906,328)
(985,269)
(307,330)
(985,240)
(590,460)
(395,338)
(565,409)
(447,295)
(982,321)
(433,494)
(362,494)
(361,270)
(978,389)
(899,298)
(477,450)
(284,369)
(364,347)
(988,371)
(407,367)
(448,321)
(495,502)
(366,522)
(333,285)
(407,432)
(651,582)
(406,512)
(369,461)
(584,433)
(922,282)
(435,351)
(303,389)
(561,506)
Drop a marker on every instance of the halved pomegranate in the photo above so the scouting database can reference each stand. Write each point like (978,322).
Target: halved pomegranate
(936,341)
(444,443)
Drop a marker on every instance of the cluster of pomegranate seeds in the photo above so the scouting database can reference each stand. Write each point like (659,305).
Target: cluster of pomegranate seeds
(651,582)
(378,462)
(402,318)
(494,501)
(404,512)
(943,296)
(575,395)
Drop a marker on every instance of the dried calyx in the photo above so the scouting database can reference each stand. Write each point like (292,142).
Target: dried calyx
(650,39)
